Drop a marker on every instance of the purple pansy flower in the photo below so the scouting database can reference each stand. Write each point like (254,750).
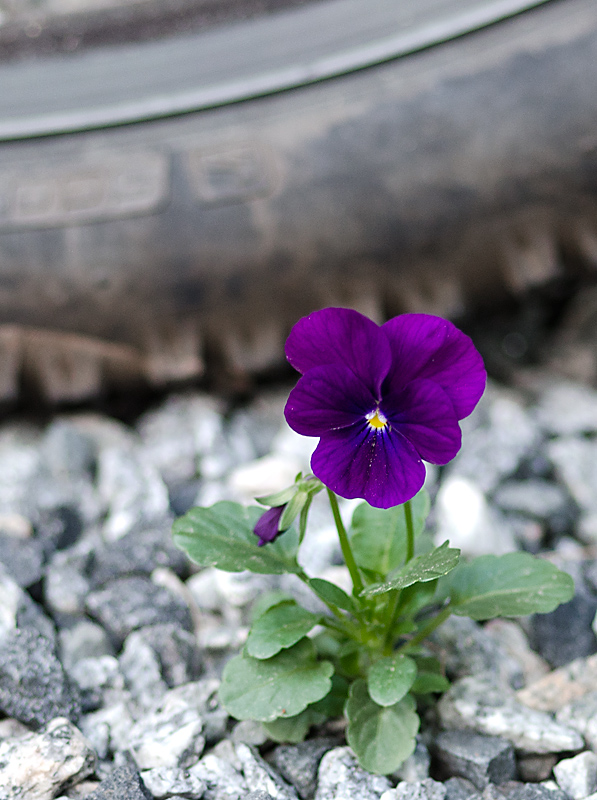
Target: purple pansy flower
(267,525)
(381,398)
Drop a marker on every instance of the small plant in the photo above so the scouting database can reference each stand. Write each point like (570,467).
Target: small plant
(381,399)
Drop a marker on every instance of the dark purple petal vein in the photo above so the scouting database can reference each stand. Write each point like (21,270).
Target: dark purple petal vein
(425,346)
(327,398)
(423,413)
(381,467)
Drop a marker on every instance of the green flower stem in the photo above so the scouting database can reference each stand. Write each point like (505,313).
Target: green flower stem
(349,631)
(410,532)
(344,628)
(357,583)
(427,630)
(392,610)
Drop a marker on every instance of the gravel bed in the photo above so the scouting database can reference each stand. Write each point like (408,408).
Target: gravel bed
(112,643)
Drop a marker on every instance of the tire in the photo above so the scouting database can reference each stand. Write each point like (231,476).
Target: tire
(164,199)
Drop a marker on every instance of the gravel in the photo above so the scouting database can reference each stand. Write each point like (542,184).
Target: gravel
(112,643)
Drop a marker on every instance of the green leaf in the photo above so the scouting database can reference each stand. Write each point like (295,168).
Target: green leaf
(332,705)
(293,729)
(222,536)
(381,737)
(416,597)
(427,567)
(390,678)
(512,585)
(378,536)
(427,682)
(330,593)
(326,644)
(281,686)
(268,600)
(278,628)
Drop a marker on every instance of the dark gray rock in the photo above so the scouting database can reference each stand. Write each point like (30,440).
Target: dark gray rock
(58,527)
(183,496)
(176,650)
(461,789)
(137,553)
(126,604)
(567,408)
(480,759)
(536,768)
(22,558)
(67,452)
(85,639)
(18,610)
(531,791)
(33,685)
(500,435)
(538,499)
(575,464)
(565,633)
(66,585)
(467,649)
(298,763)
(124,784)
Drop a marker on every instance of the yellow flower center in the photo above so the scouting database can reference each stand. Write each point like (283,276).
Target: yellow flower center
(376,419)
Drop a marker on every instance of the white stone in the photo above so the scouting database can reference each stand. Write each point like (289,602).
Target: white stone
(108,729)
(341,778)
(170,782)
(36,765)
(465,519)
(261,777)
(169,735)
(264,476)
(577,776)
(427,789)
(223,781)
(478,704)
(567,408)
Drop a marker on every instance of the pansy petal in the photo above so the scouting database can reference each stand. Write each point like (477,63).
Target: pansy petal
(326,398)
(423,413)
(340,336)
(424,346)
(382,467)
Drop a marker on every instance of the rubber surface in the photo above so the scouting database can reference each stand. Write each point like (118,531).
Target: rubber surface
(449,171)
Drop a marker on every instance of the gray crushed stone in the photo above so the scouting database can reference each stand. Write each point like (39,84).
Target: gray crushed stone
(34,687)
(106,623)
(126,604)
